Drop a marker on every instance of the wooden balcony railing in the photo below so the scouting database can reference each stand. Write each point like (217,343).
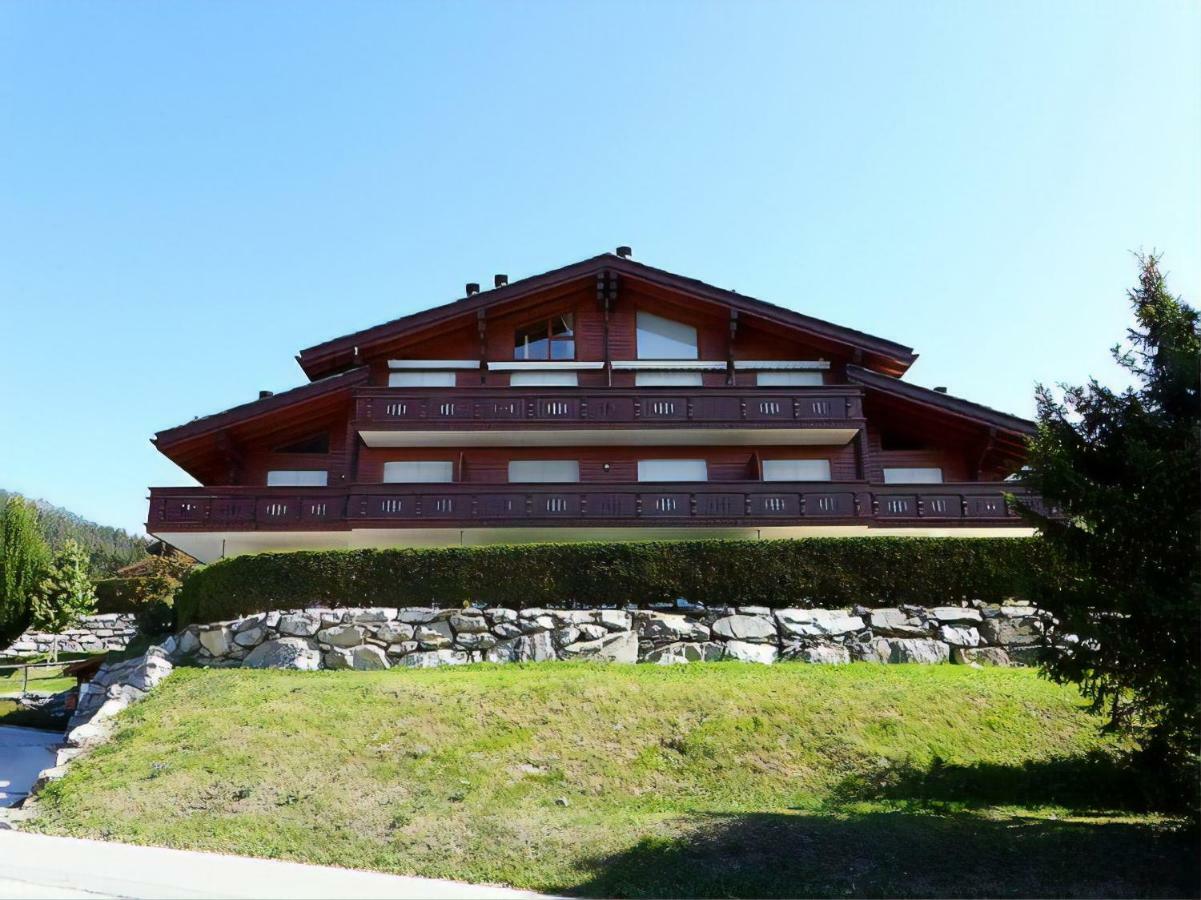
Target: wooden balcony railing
(400,408)
(735,503)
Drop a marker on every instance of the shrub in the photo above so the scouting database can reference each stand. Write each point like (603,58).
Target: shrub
(811,571)
(150,598)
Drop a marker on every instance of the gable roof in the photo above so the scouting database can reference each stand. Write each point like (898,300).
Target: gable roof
(260,407)
(338,353)
(957,406)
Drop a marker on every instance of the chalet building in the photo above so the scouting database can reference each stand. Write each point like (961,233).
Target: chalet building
(606,400)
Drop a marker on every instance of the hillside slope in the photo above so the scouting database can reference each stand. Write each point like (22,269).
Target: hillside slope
(108,548)
(719,779)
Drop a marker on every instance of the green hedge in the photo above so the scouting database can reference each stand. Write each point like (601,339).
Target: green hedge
(150,598)
(811,571)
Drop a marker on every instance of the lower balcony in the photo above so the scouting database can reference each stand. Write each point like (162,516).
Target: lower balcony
(742,504)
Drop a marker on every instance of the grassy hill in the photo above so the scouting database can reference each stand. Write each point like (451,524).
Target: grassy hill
(108,548)
(718,779)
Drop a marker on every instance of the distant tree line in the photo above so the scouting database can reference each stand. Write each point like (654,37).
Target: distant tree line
(107,549)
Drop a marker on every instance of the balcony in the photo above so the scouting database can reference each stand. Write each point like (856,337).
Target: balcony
(383,416)
(709,504)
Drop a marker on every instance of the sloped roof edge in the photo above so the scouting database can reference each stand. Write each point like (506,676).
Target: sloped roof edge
(945,402)
(330,355)
(260,407)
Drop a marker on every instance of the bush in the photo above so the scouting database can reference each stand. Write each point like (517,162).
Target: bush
(150,598)
(806,572)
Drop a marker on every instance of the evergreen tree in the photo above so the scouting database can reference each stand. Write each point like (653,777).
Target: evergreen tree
(23,560)
(1123,470)
(65,595)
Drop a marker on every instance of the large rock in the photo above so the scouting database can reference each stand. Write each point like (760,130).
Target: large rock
(1011,632)
(337,658)
(534,647)
(980,656)
(619,647)
(418,615)
(797,623)
(471,622)
(826,654)
(217,641)
(470,640)
(893,622)
(506,629)
(394,632)
(250,637)
(613,619)
(748,652)
(299,624)
(284,653)
(665,628)
(368,656)
(341,636)
(747,629)
(954,614)
(433,658)
(916,650)
(500,614)
(959,635)
(672,654)
(590,632)
(434,635)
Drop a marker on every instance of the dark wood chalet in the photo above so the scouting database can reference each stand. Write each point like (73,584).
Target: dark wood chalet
(603,400)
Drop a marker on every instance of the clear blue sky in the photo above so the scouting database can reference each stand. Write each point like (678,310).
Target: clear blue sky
(192,192)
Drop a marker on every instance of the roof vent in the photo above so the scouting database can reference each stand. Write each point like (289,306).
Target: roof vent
(500,280)
(940,390)
(473,287)
(625,252)
(263,395)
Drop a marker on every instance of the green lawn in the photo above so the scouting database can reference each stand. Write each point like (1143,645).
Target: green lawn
(47,681)
(717,779)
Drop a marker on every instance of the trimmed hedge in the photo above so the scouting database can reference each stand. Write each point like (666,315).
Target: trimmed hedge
(150,598)
(804,572)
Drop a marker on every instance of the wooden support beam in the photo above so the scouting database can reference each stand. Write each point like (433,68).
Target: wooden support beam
(730,346)
(481,324)
(988,446)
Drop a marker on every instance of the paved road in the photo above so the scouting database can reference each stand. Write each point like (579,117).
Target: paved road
(23,753)
(34,865)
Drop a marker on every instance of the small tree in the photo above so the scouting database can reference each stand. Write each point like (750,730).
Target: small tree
(24,557)
(1123,469)
(66,594)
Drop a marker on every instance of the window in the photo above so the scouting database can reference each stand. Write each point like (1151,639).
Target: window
(552,338)
(297,478)
(788,379)
(913,476)
(796,470)
(314,443)
(544,470)
(543,379)
(421,379)
(660,338)
(422,472)
(667,379)
(672,470)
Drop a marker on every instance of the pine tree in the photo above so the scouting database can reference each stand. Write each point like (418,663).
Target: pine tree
(65,595)
(24,557)
(1125,470)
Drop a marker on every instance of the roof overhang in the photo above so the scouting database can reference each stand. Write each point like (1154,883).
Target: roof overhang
(335,355)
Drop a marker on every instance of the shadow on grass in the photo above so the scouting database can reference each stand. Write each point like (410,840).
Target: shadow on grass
(902,854)
(1094,783)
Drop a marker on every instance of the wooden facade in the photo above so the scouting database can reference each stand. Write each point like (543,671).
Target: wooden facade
(561,368)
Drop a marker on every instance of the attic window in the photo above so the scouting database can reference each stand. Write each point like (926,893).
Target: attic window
(891,440)
(552,338)
(660,338)
(314,443)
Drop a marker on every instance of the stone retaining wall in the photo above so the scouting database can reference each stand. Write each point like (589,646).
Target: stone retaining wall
(378,638)
(106,631)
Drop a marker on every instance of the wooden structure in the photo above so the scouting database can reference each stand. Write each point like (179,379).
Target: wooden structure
(604,400)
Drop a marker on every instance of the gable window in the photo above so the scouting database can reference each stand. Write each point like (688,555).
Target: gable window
(419,378)
(419,472)
(667,378)
(552,338)
(788,379)
(672,470)
(544,470)
(297,478)
(543,379)
(916,475)
(660,338)
(796,470)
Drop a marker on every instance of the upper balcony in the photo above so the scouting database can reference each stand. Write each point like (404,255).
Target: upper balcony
(429,416)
